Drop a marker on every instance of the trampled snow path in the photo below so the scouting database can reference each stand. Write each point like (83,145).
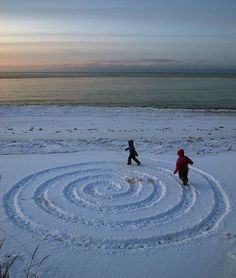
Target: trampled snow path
(106,205)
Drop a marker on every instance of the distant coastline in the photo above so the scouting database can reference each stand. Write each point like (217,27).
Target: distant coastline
(16,75)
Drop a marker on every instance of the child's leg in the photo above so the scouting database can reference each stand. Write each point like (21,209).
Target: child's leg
(183,175)
(186,175)
(129,160)
(136,160)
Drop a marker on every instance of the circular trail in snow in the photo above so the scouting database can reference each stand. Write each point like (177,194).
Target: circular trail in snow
(110,206)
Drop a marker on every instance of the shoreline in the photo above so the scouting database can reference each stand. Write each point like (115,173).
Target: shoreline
(73,105)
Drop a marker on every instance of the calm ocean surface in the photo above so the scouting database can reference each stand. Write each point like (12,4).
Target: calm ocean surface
(165,91)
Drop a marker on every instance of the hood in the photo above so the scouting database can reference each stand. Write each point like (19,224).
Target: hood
(180,152)
(131,142)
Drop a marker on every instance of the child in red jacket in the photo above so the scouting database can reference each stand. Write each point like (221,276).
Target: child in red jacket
(182,166)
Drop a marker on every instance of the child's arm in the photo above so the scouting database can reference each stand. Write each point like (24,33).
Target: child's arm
(190,161)
(127,149)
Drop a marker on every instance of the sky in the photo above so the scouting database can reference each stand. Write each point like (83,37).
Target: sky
(118,35)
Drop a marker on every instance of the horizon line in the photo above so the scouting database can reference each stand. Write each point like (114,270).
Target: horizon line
(61,74)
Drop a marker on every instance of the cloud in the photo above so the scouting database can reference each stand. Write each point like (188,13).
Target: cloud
(165,11)
(69,8)
(136,62)
(96,67)
(125,65)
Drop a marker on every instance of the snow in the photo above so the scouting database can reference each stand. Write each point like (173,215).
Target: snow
(66,187)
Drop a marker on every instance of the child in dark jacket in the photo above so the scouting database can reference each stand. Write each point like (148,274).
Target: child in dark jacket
(182,166)
(132,153)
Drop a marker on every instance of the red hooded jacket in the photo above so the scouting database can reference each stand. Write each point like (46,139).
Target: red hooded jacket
(182,161)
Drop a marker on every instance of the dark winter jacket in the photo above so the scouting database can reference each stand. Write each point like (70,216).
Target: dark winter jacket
(132,151)
(182,161)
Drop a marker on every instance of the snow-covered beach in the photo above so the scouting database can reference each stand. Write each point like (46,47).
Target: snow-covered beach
(65,185)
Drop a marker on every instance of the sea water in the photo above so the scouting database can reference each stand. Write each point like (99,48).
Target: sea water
(141,90)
